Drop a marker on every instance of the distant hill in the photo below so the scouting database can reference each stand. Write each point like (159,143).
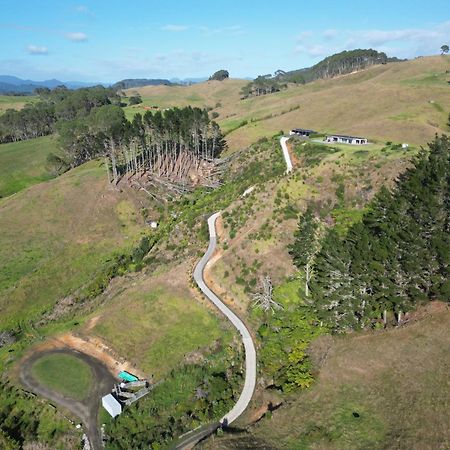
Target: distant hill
(10,84)
(140,82)
(337,64)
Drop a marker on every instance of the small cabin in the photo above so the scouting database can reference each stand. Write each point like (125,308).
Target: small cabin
(341,139)
(112,405)
(301,132)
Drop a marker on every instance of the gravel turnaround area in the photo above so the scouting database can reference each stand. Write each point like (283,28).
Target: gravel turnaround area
(87,409)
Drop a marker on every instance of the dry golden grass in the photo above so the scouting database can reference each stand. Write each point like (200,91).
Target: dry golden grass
(402,102)
(395,381)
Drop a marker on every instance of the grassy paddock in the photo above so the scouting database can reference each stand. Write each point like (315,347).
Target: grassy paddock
(160,328)
(15,101)
(65,233)
(22,164)
(402,102)
(65,374)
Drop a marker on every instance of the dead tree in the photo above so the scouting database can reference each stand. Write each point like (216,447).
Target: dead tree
(263,299)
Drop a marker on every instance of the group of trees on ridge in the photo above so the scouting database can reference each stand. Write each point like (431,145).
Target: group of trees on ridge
(262,85)
(55,105)
(338,64)
(220,75)
(395,258)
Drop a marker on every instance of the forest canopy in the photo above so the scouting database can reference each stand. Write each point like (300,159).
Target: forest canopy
(396,258)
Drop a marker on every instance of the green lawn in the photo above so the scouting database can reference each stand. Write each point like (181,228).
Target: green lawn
(65,374)
(22,164)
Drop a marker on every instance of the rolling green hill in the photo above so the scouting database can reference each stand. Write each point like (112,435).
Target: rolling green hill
(23,163)
(57,237)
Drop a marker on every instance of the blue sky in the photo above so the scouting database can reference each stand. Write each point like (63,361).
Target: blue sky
(111,39)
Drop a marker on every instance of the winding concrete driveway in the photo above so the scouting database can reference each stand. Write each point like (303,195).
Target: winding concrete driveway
(286,155)
(250,352)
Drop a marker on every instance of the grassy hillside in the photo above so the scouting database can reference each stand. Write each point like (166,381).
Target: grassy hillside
(56,237)
(164,324)
(15,101)
(402,102)
(375,390)
(22,164)
(209,93)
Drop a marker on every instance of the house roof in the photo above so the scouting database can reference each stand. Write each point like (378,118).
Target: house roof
(344,136)
(303,129)
(112,405)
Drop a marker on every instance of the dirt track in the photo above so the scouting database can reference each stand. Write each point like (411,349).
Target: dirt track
(86,410)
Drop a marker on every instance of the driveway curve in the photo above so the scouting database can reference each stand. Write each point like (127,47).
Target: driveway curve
(87,409)
(250,351)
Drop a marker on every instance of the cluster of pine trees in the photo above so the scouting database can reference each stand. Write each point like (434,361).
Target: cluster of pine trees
(262,85)
(91,123)
(397,257)
(168,144)
(55,105)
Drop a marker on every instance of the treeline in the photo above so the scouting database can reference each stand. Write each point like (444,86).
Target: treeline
(262,85)
(58,104)
(397,257)
(168,144)
(338,64)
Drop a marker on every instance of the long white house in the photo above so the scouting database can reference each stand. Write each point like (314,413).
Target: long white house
(341,139)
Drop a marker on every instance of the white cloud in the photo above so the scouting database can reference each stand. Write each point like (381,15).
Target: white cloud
(303,36)
(232,30)
(174,28)
(330,34)
(83,9)
(313,50)
(401,42)
(37,50)
(76,37)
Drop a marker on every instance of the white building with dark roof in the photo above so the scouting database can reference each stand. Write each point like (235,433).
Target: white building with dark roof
(342,139)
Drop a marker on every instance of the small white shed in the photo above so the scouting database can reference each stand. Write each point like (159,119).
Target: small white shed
(110,403)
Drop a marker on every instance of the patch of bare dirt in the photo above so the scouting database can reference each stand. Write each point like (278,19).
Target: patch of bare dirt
(92,346)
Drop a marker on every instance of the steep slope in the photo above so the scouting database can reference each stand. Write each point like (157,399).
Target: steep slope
(57,237)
